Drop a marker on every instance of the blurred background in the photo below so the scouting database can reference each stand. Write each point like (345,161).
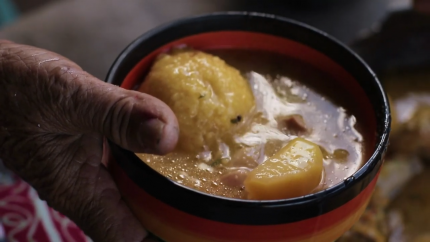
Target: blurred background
(93,32)
(393,36)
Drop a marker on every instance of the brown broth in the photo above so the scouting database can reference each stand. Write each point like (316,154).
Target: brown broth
(306,91)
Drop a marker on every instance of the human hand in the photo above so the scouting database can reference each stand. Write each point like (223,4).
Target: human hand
(54,118)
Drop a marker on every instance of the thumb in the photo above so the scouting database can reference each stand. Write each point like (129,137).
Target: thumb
(133,120)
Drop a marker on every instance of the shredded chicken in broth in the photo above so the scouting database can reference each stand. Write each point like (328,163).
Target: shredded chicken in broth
(284,109)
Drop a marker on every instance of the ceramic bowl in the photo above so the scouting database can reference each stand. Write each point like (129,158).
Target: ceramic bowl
(176,213)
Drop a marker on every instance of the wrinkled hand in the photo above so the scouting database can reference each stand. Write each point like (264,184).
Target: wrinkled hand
(53,120)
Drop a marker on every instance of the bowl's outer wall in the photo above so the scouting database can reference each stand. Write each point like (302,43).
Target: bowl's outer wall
(316,208)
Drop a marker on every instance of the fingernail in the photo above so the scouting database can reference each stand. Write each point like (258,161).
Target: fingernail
(150,133)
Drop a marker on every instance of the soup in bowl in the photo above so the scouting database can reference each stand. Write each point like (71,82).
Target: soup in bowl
(282,131)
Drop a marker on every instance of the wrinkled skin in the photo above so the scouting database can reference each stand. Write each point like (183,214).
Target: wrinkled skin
(54,118)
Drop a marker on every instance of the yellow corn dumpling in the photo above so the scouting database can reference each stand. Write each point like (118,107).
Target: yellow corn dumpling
(207,95)
(293,171)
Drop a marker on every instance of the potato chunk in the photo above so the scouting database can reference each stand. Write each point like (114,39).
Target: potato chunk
(208,96)
(293,171)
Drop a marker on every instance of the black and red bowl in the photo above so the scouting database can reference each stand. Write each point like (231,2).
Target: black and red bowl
(177,213)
